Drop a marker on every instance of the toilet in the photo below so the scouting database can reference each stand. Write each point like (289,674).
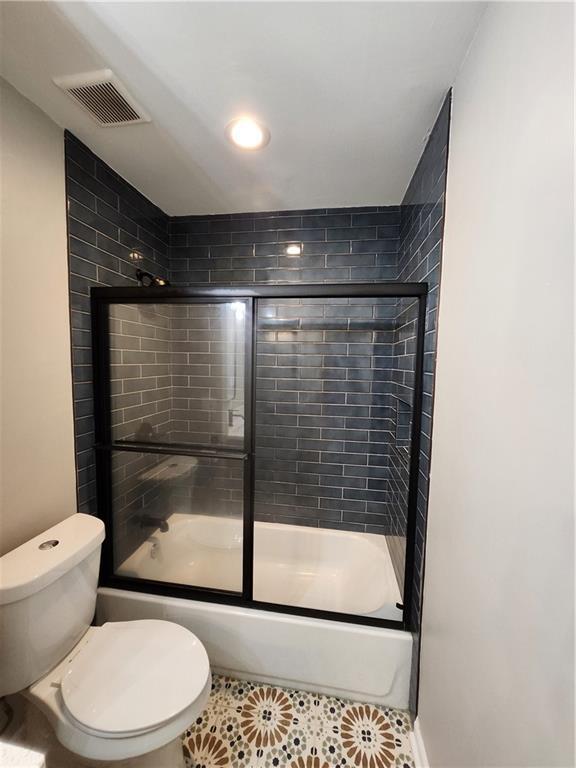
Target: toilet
(116,694)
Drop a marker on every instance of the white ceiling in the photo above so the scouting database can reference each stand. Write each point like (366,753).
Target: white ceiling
(348,90)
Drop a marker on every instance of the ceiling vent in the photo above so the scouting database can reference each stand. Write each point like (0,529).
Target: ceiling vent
(104,97)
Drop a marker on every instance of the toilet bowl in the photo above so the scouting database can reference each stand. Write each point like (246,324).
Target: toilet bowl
(127,688)
(112,693)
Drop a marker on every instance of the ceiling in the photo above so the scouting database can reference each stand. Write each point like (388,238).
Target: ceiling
(349,91)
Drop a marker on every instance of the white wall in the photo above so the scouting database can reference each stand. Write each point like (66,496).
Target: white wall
(497,668)
(37,485)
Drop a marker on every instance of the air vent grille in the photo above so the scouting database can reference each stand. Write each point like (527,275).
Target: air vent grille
(105,103)
(104,97)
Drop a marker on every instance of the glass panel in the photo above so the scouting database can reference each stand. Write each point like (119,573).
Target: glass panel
(178,519)
(177,373)
(334,394)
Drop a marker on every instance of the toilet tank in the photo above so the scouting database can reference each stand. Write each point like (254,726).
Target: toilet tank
(47,598)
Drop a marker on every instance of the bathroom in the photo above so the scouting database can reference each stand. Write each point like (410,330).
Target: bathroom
(275,472)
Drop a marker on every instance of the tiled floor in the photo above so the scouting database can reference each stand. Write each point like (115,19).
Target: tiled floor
(250,725)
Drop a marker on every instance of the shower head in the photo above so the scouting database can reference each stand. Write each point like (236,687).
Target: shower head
(148,280)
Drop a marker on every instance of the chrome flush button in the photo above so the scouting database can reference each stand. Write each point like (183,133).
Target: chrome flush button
(50,544)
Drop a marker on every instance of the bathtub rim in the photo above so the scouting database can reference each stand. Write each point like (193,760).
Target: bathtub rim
(235,599)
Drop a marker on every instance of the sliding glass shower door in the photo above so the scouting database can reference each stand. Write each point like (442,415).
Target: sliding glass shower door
(259,445)
(178,441)
(334,396)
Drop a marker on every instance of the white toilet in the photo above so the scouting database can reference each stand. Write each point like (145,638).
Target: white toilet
(111,693)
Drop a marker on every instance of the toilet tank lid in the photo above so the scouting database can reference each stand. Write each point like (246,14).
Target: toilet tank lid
(45,558)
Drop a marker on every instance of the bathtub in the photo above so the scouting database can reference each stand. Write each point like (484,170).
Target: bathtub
(304,565)
(351,661)
(293,565)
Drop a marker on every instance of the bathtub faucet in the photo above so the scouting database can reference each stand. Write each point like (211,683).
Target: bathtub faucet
(149,521)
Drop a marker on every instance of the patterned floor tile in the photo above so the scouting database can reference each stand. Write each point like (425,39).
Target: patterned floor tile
(251,725)
(233,692)
(200,741)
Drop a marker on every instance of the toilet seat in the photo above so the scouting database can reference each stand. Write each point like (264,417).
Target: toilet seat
(134,676)
(80,722)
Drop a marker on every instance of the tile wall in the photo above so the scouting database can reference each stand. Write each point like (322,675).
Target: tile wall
(341,245)
(324,414)
(107,221)
(420,259)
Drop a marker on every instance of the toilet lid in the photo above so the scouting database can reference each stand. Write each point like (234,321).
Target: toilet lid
(134,676)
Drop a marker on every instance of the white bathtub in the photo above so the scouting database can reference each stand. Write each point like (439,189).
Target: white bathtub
(293,565)
(347,660)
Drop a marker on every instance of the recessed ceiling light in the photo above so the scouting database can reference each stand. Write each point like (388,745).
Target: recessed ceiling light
(246,133)
(295,249)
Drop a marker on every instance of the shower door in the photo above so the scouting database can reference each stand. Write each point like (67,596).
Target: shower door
(259,445)
(174,440)
(334,399)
